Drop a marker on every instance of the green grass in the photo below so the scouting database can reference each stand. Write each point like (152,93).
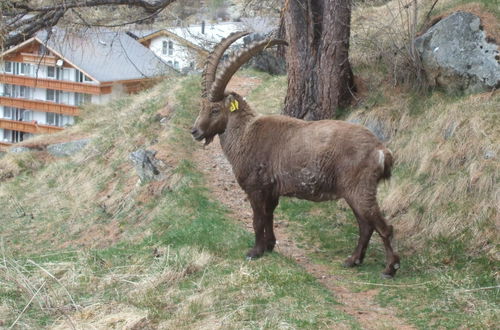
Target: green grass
(490,5)
(269,96)
(439,286)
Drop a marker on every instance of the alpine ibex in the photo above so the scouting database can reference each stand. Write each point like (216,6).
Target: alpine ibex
(275,156)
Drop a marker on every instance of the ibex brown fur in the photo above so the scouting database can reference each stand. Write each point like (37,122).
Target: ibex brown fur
(275,156)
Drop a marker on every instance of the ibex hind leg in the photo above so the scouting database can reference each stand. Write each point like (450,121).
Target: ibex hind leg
(369,219)
(386,232)
(365,234)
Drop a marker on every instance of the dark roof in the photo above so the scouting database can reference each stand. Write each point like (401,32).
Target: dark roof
(105,55)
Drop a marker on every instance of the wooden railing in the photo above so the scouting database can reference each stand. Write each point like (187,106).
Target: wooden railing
(61,85)
(45,106)
(28,127)
(38,59)
(5,144)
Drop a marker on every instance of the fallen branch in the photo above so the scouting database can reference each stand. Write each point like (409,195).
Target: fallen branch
(28,304)
(390,285)
(479,289)
(55,279)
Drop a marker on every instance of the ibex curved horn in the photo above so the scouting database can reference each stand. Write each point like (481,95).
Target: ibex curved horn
(236,61)
(210,68)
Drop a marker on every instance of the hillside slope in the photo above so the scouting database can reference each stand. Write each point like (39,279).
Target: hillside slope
(85,244)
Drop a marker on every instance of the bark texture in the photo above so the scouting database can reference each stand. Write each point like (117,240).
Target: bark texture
(320,78)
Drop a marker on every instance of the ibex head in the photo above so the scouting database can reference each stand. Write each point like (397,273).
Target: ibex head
(216,105)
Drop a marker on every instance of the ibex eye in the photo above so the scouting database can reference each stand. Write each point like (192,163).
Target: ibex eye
(215,110)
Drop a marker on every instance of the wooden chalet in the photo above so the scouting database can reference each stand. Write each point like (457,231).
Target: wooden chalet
(45,79)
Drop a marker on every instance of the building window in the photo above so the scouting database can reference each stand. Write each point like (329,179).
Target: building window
(176,64)
(23,91)
(26,115)
(25,69)
(52,119)
(8,67)
(81,98)
(7,135)
(56,119)
(170,48)
(164,48)
(7,112)
(15,136)
(81,77)
(7,90)
(51,72)
(53,95)
(167,48)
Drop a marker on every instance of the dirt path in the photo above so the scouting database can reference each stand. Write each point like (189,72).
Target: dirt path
(361,305)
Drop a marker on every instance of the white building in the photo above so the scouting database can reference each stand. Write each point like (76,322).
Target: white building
(44,79)
(186,48)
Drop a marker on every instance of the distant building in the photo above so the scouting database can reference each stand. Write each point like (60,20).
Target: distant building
(186,48)
(45,79)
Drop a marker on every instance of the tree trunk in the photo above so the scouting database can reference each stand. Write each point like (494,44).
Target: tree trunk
(320,78)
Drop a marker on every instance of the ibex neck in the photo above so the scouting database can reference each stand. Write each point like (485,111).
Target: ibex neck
(232,140)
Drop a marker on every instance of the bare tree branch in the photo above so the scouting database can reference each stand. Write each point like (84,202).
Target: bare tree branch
(20,20)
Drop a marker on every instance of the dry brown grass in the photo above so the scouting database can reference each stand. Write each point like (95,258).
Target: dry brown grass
(105,316)
(445,185)
(489,22)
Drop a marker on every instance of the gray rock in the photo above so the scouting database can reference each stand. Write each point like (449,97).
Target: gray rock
(67,148)
(17,150)
(146,165)
(376,126)
(456,55)
(450,130)
(489,154)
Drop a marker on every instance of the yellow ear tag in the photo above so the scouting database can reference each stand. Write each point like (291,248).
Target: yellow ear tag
(234,106)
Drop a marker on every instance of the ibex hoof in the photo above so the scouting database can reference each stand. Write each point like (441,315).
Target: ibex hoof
(349,263)
(255,253)
(387,276)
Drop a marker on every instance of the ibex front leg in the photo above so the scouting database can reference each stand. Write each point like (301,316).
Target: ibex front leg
(263,205)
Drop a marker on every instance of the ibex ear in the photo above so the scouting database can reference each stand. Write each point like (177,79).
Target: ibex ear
(228,100)
(231,103)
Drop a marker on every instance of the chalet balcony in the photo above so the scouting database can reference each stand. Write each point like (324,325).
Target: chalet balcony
(62,85)
(28,127)
(45,106)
